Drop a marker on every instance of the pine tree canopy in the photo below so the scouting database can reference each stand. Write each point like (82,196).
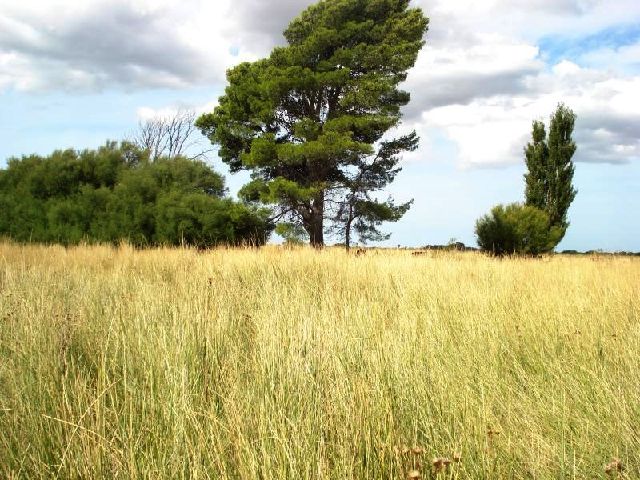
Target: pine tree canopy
(309,121)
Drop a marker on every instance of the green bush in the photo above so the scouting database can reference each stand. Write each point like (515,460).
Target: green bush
(115,193)
(516,229)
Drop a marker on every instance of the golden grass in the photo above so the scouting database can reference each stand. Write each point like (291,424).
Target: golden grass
(314,365)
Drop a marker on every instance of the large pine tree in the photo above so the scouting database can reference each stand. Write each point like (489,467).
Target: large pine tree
(308,120)
(550,167)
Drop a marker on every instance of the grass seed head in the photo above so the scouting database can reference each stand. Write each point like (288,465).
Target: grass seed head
(440,463)
(613,467)
(414,475)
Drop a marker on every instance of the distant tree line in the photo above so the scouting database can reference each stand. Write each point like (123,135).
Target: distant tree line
(116,193)
(620,253)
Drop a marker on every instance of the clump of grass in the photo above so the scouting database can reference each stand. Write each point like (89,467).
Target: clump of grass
(276,363)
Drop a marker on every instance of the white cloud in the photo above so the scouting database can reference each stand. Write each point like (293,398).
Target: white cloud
(457,75)
(482,80)
(98,44)
(493,130)
(621,60)
(148,113)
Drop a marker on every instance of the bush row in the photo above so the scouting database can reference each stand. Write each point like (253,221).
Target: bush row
(116,194)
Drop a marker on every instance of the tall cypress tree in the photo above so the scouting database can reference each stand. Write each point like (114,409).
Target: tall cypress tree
(550,168)
(309,119)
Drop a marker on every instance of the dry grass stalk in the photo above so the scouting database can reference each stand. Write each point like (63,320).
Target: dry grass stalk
(268,363)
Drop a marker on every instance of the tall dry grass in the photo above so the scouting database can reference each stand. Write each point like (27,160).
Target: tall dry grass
(116,363)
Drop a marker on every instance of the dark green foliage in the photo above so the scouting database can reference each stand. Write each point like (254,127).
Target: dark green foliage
(293,234)
(305,120)
(539,225)
(356,211)
(114,194)
(550,169)
(517,229)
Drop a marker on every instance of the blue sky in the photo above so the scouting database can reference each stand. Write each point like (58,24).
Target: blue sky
(489,68)
(557,47)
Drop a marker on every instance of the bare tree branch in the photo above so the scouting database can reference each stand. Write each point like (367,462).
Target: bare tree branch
(171,136)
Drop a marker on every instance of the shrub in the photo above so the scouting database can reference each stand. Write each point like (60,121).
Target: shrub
(114,193)
(516,229)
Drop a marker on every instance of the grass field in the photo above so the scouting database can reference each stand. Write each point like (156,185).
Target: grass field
(277,364)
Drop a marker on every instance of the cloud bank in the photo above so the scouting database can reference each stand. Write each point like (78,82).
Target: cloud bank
(488,68)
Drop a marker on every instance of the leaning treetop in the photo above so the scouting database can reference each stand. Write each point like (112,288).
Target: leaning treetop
(304,118)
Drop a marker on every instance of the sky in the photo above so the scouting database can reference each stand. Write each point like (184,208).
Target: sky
(74,74)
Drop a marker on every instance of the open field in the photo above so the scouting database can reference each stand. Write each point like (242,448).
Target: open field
(310,365)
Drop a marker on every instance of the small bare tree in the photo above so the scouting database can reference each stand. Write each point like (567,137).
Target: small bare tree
(171,136)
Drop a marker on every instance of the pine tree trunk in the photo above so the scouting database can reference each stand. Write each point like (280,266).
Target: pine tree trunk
(316,234)
(314,223)
(347,229)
